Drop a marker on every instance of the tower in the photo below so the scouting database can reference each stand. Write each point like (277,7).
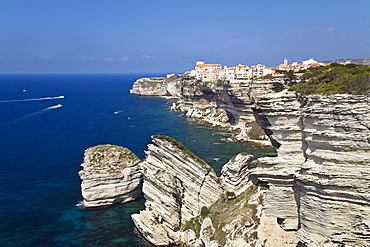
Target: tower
(285,61)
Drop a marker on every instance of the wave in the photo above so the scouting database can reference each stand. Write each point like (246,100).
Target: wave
(33,99)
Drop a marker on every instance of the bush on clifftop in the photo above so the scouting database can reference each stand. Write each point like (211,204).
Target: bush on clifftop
(335,78)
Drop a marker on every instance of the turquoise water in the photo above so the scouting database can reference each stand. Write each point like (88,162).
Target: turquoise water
(42,146)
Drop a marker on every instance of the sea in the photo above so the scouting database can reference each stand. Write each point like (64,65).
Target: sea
(46,123)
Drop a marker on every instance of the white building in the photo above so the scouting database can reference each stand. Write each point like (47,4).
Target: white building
(300,66)
(207,72)
(241,72)
(229,73)
(214,72)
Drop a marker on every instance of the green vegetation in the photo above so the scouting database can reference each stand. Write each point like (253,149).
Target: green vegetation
(335,78)
(183,148)
(204,212)
(289,74)
(192,224)
(222,82)
(256,132)
(238,213)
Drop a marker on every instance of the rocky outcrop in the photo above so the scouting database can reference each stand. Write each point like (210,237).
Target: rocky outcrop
(235,174)
(157,86)
(110,175)
(227,105)
(176,186)
(188,205)
(319,182)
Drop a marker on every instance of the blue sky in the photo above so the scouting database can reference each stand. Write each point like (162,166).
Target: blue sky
(119,36)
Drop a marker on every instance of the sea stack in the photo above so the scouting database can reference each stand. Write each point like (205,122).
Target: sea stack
(111,175)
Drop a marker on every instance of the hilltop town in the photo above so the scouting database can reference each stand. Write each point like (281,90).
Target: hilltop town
(215,72)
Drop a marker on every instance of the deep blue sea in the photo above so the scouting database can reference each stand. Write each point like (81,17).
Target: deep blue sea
(46,123)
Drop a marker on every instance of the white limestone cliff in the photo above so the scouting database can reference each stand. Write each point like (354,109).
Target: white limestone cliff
(319,183)
(176,186)
(110,175)
(157,86)
(188,205)
(235,174)
(225,105)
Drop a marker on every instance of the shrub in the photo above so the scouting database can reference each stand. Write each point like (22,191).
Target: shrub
(204,212)
(335,78)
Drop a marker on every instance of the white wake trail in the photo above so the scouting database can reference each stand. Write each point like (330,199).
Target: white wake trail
(34,99)
(34,114)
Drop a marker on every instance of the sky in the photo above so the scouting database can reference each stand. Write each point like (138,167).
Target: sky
(169,36)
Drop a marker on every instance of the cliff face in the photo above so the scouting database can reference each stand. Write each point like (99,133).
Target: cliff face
(188,205)
(227,105)
(110,175)
(319,182)
(318,186)
(176,186)
(157,87)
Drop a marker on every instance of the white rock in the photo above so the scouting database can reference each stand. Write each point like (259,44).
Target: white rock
(176,186)
(110,175)
(319,182)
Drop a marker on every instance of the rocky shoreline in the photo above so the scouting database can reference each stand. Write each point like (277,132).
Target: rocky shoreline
(226,106)
(314,193)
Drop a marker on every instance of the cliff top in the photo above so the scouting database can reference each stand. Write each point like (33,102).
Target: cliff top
(183,148)
(112,155)
(335,78)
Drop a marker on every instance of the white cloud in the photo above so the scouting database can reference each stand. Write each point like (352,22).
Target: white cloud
(45,57)
(113,59)
(145,56)
(328,30)
(110,59)
(88,59)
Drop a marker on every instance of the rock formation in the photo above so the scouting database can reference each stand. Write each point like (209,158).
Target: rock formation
(316,189)
(176,186)
(226,105)
(110,175)
(235,174)
(319,182)
(157,86)
(188,205)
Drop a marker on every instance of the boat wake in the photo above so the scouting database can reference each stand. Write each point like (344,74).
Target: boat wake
(116,112)
(34,114)
(54,106)
(34,99)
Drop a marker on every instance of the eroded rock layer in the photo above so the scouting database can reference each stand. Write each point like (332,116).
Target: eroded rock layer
(319,182)
(110,175)
(188,205)
(176,186)
(225,104)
